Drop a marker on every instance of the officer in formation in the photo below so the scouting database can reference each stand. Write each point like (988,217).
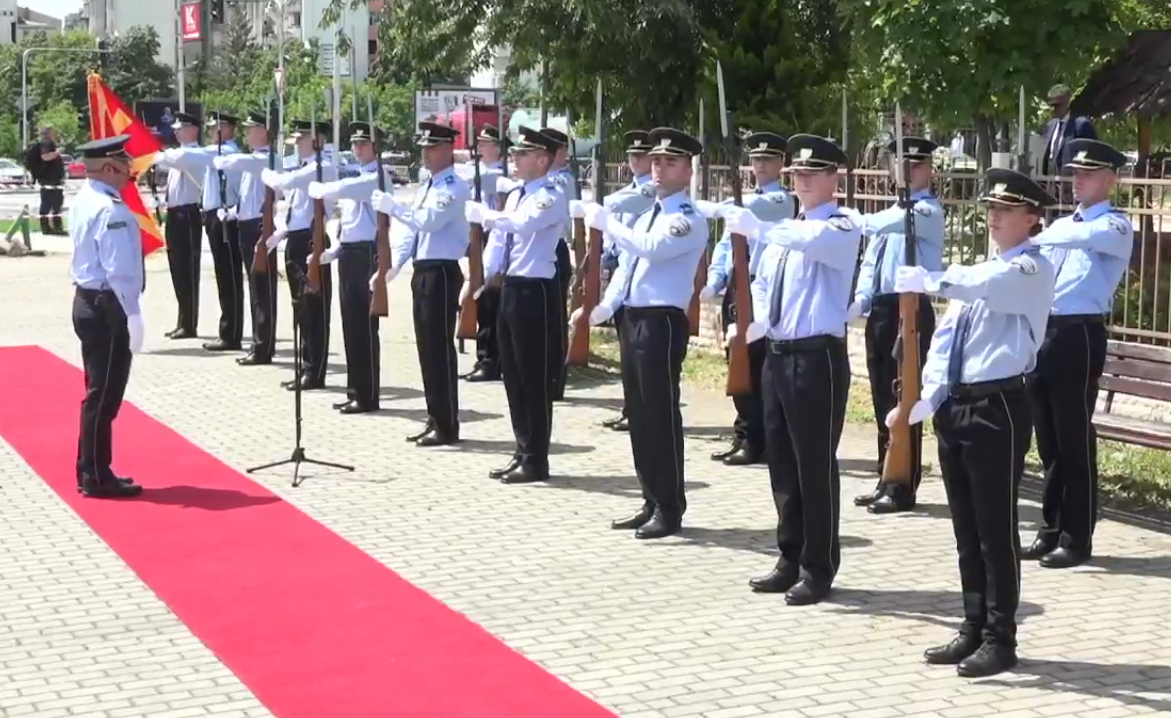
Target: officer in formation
(562,177)
(311,309)
(1090,251)
(800,298)
(974,387)
(769,202)
(357,258)
(107,270)
(184,226)
(249,213)
(626,205)
(492,170)
(522,250)
(439,241)
(654,285)
(875,299)
(219,217)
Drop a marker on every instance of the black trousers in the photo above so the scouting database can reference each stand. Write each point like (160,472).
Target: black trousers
(530,360)
(882,365)
(261,291)
(1064,391)
(356,263)
(52,201)
(487,345)
(311,311)
(184,233)
(654,344)
(982,447)
(435,287)
(100,323)
(805,390)
(749,423)
(229,275)
(564,279)
(617,321)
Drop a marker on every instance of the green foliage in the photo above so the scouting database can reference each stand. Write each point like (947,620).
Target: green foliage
(519,94)
(64,119)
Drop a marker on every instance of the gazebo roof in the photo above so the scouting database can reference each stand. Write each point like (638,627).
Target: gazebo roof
(1136,80)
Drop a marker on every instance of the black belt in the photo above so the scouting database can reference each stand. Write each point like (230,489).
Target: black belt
(789,346)
(356,243)
(1057,321)
(664,309)
(183,207)
(516,279)
(435,263)
(978,389)
(93,293)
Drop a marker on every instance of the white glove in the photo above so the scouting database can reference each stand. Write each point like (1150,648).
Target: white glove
(854,312)
(599,315)
(756,332)
(708,209)
(220,162)
(911,279)
(920,411)
(741,221)
(231,214)
(331,253)
(732,332)
(474,212)
(596,216)
(576,315)
(463,293)
(271,178)
(382,201)
(137,331)
(390,274)
(707,294)
(577,208)
(479,292)
(222,214)
(274,241)
(317,190)
(169,156)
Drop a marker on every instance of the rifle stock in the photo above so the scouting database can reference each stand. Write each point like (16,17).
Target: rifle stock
(314,264)
(267,216)
(379,301)
(739,369)
(469,311)
(590,294)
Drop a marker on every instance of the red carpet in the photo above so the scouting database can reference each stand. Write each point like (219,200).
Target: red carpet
(310,623)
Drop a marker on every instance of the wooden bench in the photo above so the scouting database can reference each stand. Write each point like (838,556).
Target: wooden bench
(1141,371)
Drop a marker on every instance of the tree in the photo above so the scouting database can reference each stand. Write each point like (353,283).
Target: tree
(64,119)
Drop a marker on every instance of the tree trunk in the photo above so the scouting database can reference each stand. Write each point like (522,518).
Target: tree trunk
(983,125)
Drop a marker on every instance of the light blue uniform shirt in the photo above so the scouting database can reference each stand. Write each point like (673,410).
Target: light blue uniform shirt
(107,244)
(295,186)
(768,203)
(1090,251)
(659,256)
(248,168)
(197,159)
(802,285)
(183,177)
(490,174)
(436,218)
(358,223)
(887,249)
(626,205)
(996,321)
(563,179)
(523,240)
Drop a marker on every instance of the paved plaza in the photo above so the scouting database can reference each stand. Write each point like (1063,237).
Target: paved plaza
(660,629)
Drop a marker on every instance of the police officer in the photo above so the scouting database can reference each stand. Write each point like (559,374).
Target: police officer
(440,240)
(522,248)
(50,175)
(1090,250)
(626,205)
(357,258)
(219,217)
(311,310)
(655,283)
(799,300)
(875,299)
(107,270)
(974,385)
(184,226)
(562,176)
(769,202)
(249,214)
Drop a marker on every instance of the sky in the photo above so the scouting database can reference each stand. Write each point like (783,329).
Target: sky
(55,8)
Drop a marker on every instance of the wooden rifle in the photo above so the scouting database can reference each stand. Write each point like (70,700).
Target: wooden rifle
(739,369)
(223,180)
(268,210)
(588,290)
(693,309)
(578,240)
(898,465)
(314,264)
(468,311)
(379,302)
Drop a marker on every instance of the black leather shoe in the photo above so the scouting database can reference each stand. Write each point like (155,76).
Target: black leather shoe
(343,403)
(806,592)
(950,654)
(435,438)
(482,374)
(501,472)
(182,334)
(526,473)
(173,332)
(721,455)
(894,499)
(356,407)
(635,521)
(622,425)
(867,499)
(219,345)
(109,489)
(127,481)
(307,383)
(779,580)
(611,423)
(990,659)
(744,456)
(1065,557)
(660,526)
(253,360)
(426,430)
(1039,548)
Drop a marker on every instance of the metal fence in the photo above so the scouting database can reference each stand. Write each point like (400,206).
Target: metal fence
(1142,305)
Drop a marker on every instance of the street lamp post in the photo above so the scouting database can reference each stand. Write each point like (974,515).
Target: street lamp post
(24,134)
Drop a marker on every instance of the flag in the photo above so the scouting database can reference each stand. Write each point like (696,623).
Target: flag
(109,117)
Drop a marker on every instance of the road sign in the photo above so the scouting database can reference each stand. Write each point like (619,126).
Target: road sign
(325,59)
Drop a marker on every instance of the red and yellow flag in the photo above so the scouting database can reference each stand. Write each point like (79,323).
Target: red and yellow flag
(109,117)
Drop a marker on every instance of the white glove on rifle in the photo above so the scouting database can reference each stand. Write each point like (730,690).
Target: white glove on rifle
(920,411)
(274,241)
(707,294)
(382,201)
(474,212)
(575,316)
(854,312)
(577,208)
(911,279)
(271,178)
(331,253)
(464,292)
(317,190)
(599,315)
(220,162)
(390,274)
(709,209)
(756,332)
(731,332)
(741,221)
(137,331)
(222,214)
(596,217)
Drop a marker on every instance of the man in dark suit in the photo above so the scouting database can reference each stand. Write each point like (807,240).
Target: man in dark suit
(1061,129)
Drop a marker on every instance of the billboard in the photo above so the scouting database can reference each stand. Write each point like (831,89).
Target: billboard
(190,21)
(433,105)
(158,115)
